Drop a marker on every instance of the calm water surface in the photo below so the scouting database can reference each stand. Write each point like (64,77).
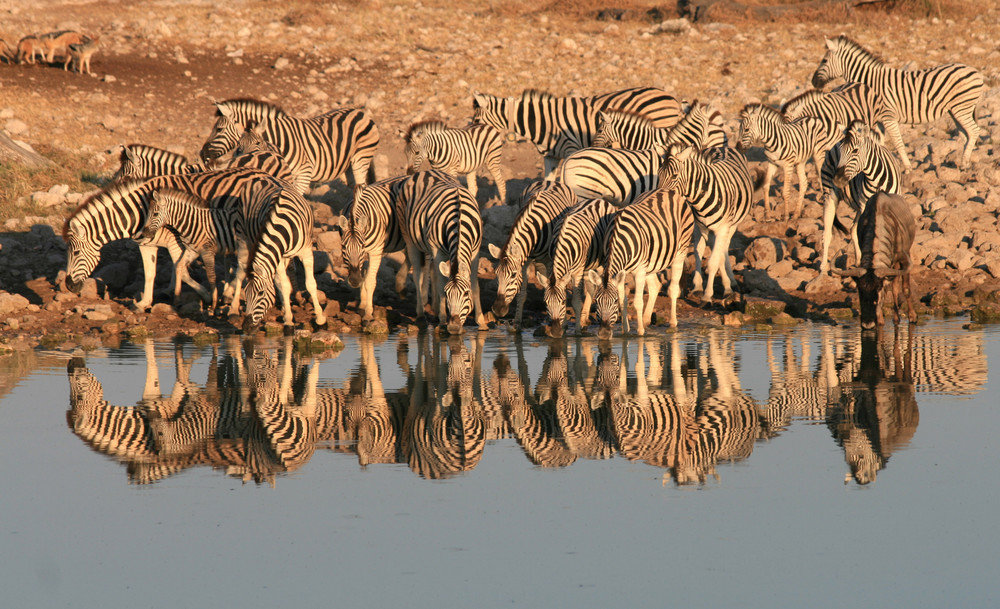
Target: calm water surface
(701,468)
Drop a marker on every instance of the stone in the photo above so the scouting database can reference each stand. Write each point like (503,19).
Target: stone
(763,252)
(761,309)
(12,303)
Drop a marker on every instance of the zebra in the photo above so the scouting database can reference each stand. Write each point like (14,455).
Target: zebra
(369,228)
(619,176)
(440,222)
(647,237)
(720,194)
(328,143)
(863,167)
(853,101)
(120,211)
(278,228)
(559,126)
(139,162)
(255,152)
(529,241)
(578,247)
(910,96)
(700,126)
(788,144)
(205,230)
(456,151)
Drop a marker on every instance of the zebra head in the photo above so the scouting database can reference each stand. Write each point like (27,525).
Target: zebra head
(856,149)
(251,140)
(555,302)
(414,149)
(260,299)
(674,168)
(510,264)
(457,294)
(833,65)
(495,112)
(607,305)
(159,214)
(609,130)
(751,129)
(130,166)
(225,134)
(82,254)
(353,229)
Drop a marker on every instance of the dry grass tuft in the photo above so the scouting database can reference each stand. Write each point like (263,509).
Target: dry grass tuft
(17,181)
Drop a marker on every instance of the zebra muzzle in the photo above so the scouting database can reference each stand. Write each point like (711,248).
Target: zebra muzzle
(500,307)
(554,329)
(73,285)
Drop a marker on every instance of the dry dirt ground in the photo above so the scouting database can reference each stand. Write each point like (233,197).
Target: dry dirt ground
(162,64)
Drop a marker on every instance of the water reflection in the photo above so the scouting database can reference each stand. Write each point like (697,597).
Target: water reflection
(674,402)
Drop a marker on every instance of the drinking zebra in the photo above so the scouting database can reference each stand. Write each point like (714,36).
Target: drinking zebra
(120,212)
(700,126)
(864,166)
(910,96)
(530,240)
(559,126)
(649,236)
(787,144)
(720,194)
(369,229)
(328,143)
(440,223)
(456,151)
(139,162)
(579,246)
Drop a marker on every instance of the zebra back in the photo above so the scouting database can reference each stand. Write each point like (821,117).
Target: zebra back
(616,175)
(849,102)
(370,223)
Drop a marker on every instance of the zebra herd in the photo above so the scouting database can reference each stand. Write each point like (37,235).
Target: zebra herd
(632,180)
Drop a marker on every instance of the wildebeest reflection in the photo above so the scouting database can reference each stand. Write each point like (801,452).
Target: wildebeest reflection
(877,413)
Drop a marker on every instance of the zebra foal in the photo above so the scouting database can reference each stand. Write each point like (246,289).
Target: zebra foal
(456,151)
(909,96)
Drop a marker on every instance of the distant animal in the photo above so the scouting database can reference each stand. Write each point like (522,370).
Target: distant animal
(28,48)
(910,96)
(7,53)
(461,150)
(57,43)
(886,230)
(79,54)
(559,126)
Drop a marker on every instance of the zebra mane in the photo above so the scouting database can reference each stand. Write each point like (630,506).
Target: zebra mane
(803,98)
(142,149)
(184,198)
(852,46)
(767,112)
(266,109)
(536,95)
(101,197)
(428,125)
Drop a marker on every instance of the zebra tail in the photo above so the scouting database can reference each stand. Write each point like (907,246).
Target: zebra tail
(371,172)
(839,226)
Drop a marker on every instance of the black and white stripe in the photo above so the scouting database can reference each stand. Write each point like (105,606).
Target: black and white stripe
(700,127)
(530,241)
(651,235)
(440,223)
(461,150)
(329,143)
(853,101)
(559,126)
(255,152)
(369,229)
(910,96)
(720,194)
(139,162)
(579,246)
(619,175)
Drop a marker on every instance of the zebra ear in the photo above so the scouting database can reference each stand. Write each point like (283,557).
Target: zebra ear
(495,251)
(542,278)
(831,44)
(445,268)
(128,153)
(593,277)
(515,250)
(223,109)
(343,224)
(257,128)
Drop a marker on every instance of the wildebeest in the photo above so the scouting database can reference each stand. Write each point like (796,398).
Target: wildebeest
(886,229)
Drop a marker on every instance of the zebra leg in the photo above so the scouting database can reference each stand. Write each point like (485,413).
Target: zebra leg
(368,287)
(550,164)
(439,303)
(653,291)
(579,305)
(404,270)
(583,320)
(477,305)
(522,296)
(854,238)
(471,185)
(829,211)
(242,260)
(786,187)
(284,286)
(416,259)
(965,119)
(803,185)
(208,257)
(148,255)
(892,128)
(720,246)
(700,242)
(676,269)
(308,266)
(768,177)
(640,318)
(496,170)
